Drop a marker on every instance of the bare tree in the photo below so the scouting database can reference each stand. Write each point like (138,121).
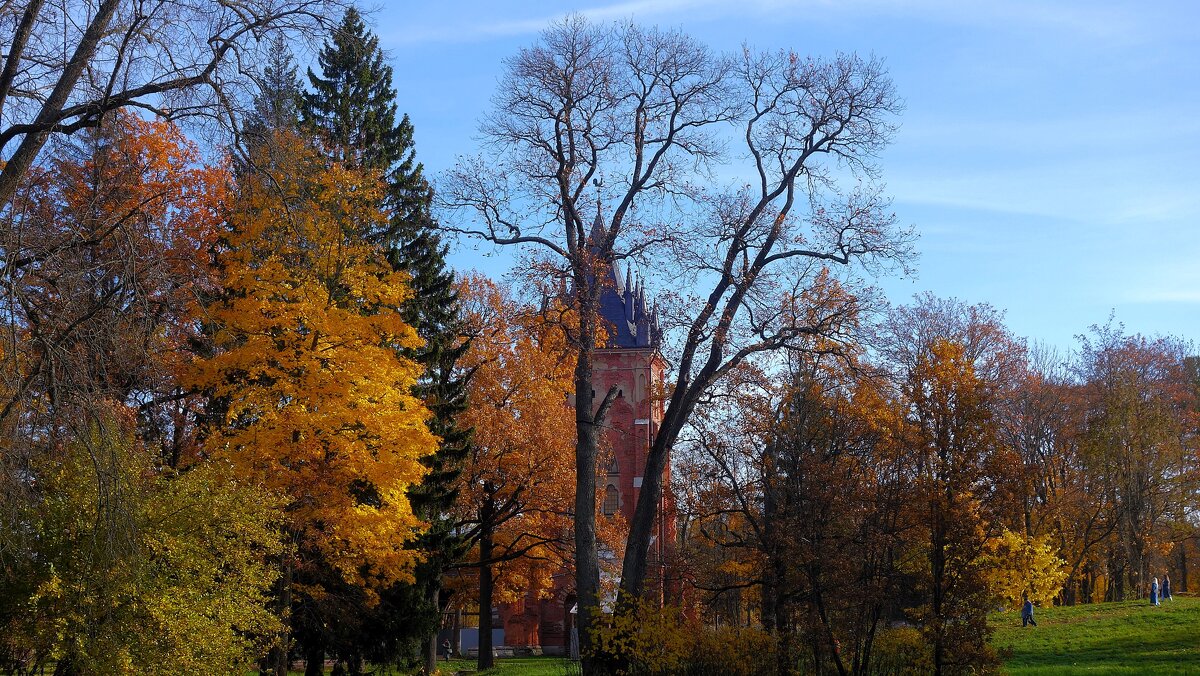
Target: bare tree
(68,63)
(641,120)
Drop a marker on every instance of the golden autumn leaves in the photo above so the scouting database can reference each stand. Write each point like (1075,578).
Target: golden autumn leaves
(207,406)
(308,363)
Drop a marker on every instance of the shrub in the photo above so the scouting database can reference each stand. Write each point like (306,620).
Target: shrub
(645,640)
(901,651)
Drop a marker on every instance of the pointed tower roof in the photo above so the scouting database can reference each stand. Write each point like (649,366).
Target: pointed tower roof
(623,304)
(626,313)
(598,231)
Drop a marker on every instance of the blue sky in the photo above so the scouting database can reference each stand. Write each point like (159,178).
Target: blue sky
(1049,153)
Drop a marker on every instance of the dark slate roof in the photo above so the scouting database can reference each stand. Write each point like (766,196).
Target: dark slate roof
(630,321)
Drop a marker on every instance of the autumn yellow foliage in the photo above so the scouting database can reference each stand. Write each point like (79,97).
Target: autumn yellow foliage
(1016,565)
(651,640)
(138,570)
(316,395)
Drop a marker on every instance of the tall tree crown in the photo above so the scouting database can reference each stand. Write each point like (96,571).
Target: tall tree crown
(352,107)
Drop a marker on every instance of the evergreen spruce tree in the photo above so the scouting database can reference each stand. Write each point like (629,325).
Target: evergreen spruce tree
(352,106)
(278,103)
(275,107)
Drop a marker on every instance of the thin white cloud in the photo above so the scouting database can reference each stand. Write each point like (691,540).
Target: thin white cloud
(1086,19)
(1061,193)
(1181,289)
(1096,169)
(482,31)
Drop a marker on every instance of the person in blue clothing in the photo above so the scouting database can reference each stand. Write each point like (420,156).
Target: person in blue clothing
(1027,613)
(1154,592)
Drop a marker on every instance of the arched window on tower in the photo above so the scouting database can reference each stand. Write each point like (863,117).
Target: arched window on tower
(613,467)
(612,500)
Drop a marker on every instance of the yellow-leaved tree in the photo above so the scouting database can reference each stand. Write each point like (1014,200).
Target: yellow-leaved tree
(133,569)
(310,395)
(1016,566)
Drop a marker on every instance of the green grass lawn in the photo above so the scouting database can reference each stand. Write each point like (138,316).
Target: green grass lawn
(513,666)
(1106,638)
(517,666)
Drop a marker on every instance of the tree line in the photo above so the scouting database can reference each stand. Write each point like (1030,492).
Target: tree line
(900,494)
(234,394)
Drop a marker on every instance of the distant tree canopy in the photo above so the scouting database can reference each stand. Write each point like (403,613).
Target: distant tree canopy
(944,471)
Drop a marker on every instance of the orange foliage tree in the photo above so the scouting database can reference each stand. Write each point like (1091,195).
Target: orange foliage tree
(313,398)
(517,488)
(104,248)
(953,364)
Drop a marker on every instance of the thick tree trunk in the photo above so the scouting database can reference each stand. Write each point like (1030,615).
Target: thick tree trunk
(314,661)
(455,644)
(485,659)
(284,661)
(587,561)
(431,644)
(641,527)
(16,49)
(282,658)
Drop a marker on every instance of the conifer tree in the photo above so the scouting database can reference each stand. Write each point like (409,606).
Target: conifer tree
(277,105)
(352,106)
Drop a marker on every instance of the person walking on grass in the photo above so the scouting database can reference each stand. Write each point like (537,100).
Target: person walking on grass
(1027,613)
(1154,592)
(1166,590)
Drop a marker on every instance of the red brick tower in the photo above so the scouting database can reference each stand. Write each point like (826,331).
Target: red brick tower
(631,361)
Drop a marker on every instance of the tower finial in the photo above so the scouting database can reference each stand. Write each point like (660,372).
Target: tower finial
(598,183)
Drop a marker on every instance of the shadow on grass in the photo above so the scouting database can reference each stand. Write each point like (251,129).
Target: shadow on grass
(1115,638)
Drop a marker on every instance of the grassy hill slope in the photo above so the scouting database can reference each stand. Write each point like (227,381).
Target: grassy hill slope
(1106,638)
